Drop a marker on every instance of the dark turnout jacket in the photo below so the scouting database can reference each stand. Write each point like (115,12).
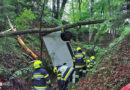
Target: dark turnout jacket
(40,78)
(79,60)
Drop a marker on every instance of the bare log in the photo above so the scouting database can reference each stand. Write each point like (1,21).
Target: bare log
(21,42)
(49,30)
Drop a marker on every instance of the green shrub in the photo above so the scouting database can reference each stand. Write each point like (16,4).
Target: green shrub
(22,22)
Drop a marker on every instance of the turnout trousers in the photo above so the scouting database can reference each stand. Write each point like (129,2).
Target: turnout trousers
(63,85)
(79,73)
(83,72)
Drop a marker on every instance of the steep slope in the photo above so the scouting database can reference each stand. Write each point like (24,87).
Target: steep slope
(113,71)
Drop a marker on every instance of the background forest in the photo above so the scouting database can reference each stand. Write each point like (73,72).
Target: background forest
(103,40)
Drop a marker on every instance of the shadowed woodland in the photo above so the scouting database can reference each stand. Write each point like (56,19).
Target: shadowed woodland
(100,27)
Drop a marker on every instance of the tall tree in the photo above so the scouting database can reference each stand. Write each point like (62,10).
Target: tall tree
(79,8)
(59,8)
(79,1)
(109,7)
(91,17)
(57,12)
(62,8)
(110,15)
(53,8)
(73,10)
(72,4)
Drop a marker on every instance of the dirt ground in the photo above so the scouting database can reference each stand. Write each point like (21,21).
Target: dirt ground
(113,72)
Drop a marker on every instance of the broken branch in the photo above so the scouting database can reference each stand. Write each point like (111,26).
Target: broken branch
(49,30)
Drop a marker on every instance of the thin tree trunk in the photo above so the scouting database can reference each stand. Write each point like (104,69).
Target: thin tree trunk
(91,13)
(62,8)
(40,19)
(79,18)
(79,10)
(54,8)
(73,10)
(57,9)
(109,7)
(110,14)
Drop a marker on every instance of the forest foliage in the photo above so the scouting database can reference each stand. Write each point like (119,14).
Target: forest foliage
(25,14)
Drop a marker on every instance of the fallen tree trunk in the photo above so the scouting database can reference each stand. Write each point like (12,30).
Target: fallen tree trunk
(21,42)
(49,30)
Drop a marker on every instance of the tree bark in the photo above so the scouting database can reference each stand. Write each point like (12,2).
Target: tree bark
(40,35)
(73,10)
(54,8)
(62,8)
(110,14)
(49,30)
(91,13)
(57,9)
(21,42)
(109,8)
(79,18)
(79,9)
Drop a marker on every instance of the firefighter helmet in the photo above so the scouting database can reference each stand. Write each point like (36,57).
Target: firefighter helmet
(55,69)
(37,64)
(78,48)
(92,57)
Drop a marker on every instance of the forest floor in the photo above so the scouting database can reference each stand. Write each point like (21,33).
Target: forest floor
(10,65)
(113,72)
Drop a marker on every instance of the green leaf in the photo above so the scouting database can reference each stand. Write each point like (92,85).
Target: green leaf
(102,68)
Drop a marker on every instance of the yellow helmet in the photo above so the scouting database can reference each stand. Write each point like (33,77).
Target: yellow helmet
(78,48)
(37,64)
(92,57)
(88,60)
(84,53)
(55,69)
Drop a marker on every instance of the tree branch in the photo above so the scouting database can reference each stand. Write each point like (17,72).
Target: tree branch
(49,30)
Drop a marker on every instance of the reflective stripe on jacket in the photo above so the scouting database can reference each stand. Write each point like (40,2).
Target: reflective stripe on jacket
(64,72)
(79,60)
(91,63)
(40,78)
(39,88)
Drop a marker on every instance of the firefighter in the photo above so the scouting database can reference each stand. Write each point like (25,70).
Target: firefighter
(64,75)
(79,61)
(40,77)
(91,63)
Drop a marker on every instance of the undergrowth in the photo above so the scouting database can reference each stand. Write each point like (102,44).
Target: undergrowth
(103,55)
(23,72)
(123,34)
(9,45)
